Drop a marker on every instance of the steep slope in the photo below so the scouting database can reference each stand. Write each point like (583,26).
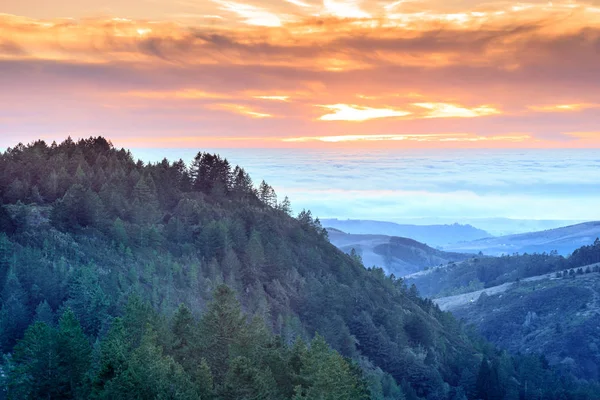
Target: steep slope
(558,317)
(87,227)
(563,240)
(396,255)
(484,271)
(433,235)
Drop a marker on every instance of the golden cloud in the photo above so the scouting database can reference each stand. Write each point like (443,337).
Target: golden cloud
(251,15)
(447,110)
(439,137)
(345,9)
(358,59)
(272,97)
(342,37)
(187,94)
(564,107)
(351,112)
(240,109)
(594,135)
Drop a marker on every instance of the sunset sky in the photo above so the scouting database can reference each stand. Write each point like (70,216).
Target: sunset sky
(302,73)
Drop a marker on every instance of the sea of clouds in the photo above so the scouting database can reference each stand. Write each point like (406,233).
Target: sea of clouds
(496,190)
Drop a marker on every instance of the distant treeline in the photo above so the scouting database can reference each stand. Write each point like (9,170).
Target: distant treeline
(482,272)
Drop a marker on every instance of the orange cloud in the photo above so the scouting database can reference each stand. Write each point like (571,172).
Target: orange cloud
(439,137)
(564,107)
(188,94)
(251,15)
(446,110)
(275,98)
(396,66)
(585,135)
(240,109)
(350,112)
(345,9)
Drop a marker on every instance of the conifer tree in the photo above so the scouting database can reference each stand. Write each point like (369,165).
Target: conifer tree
(44,313)
(222,325)
(74,355)
(185,345)
(35,374)
(14,314)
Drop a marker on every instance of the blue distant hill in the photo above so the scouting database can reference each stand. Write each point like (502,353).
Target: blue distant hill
(564,240)
(433,235)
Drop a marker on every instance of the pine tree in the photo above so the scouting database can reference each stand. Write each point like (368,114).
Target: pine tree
(14,314)
(267,194)
(326,375)
(204,381)
(221,327)
(149,374)
(74,354)
(114,357)
(119,233)
(255,259)
(286,206)
(242,183)
(36,374)
(184,346)
(244,380)
(488,385)
(88,300)
(6,252)
(44,313)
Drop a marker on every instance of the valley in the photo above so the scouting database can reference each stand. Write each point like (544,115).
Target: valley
(396,255)
(555,316)
(544,303)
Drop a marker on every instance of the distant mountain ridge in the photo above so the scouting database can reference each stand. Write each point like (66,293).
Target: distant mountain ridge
(398,255)
(433,235)
(564,240)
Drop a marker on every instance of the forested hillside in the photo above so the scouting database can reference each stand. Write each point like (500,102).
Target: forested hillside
(558,316)
(396,255)
(483,272)
(121,279)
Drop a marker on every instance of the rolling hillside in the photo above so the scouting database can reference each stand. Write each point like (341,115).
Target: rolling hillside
(555,316)
(396,255)
(433,235)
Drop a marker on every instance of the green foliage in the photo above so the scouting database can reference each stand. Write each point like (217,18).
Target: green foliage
(480,272)
(51,362)
(36,374)
(79,208)
(7,225)
(74,356)
(221,329)
(326,375)
(245,381)
(119,245)
(14,315)
(488,384)
(88,300)
(44,313)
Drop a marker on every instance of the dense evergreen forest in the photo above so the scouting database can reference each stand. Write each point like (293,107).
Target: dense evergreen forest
(121,280)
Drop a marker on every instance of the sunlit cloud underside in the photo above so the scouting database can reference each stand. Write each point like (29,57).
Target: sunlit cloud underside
(303,73)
